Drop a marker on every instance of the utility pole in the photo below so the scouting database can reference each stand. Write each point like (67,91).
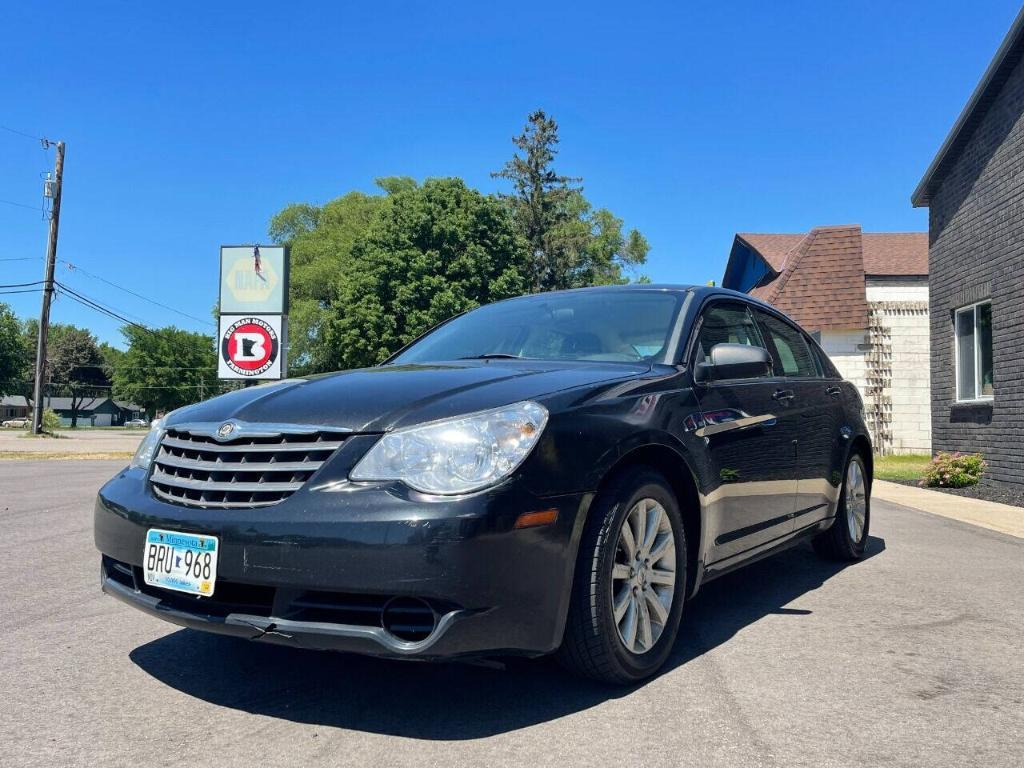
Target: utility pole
(44,312)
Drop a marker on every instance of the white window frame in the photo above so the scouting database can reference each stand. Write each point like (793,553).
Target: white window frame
(980,398)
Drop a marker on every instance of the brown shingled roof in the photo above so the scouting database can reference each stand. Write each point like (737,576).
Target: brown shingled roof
(819,278)
(822,285)
(895,253)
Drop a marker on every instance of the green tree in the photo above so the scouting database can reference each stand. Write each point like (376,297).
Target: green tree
(166,368)
(431,252)
(74,365)
(571,244)
(321,240)
(13,357)
(111,355)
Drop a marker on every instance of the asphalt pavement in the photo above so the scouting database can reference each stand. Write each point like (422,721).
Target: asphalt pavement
(912,657)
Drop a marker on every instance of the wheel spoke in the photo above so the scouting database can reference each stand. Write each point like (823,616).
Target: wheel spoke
(651,525)
(627,540)
(656,607)
(638,516)
(646,638)
(620,571)
(661,576)
(629,623)
(622,603)
(661,547)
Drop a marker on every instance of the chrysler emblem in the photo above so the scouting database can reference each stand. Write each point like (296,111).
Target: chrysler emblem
(225,430)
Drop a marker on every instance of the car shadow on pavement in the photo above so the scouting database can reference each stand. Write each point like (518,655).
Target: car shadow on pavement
(455,701)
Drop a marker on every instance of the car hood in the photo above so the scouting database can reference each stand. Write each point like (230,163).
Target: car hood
(391,396)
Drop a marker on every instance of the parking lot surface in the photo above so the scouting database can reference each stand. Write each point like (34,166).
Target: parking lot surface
(912,657)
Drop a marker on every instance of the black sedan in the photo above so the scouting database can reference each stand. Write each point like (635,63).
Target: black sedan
(553,473)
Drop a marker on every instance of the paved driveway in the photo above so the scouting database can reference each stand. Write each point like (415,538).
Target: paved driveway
(913,657)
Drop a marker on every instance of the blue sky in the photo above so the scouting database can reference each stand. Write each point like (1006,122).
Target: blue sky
(189,124)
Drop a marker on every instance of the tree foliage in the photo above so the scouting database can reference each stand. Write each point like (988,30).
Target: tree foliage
(165,369)
(74,365)
(369,273)
(13,355)
(321,241)
(571,244)
(431,252)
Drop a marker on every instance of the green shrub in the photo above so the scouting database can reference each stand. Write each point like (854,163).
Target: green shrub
(954,470)
(51,421)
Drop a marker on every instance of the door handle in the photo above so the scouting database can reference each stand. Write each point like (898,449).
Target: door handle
(835,390)
(783,394)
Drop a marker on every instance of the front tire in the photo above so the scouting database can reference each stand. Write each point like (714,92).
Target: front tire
(848,536)
(630,581)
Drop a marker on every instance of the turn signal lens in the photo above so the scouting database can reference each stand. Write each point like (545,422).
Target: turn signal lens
(534,519)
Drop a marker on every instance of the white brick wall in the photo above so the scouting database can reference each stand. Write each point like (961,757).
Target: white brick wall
(902,361)
(904,311)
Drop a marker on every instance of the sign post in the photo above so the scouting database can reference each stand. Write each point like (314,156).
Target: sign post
(253,339)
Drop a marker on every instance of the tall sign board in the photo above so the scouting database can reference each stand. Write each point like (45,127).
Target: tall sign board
(253,337)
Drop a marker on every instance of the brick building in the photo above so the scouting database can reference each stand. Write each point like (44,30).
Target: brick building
(974,192)
(865,296)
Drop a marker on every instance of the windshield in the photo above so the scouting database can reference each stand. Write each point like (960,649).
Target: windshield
(608,326)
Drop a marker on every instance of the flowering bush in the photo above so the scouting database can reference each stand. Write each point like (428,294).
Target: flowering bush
(954,470)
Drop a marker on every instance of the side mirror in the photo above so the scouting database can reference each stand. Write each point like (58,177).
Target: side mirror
(733,361)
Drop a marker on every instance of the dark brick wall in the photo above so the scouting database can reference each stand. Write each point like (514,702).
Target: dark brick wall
(976,235)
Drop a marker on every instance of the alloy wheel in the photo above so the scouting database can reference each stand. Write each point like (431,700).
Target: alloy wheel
(856,500)
(643,575)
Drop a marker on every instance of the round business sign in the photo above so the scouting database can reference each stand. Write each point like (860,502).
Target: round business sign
(249,346)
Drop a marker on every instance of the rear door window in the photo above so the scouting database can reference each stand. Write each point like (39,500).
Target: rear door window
(788,348)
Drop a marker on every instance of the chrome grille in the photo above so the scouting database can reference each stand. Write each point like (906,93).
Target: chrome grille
(254,466)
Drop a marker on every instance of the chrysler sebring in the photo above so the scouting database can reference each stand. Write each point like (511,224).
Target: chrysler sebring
(556,473)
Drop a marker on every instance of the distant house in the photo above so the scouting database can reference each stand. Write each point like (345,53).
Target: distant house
(865,297)
(13,407)
(974,190)
(96,411)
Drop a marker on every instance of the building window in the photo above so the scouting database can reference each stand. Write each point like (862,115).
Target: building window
(974,352)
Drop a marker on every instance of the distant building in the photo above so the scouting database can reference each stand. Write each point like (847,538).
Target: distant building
(94,411)
(13,407)
(974,190)
(865,297)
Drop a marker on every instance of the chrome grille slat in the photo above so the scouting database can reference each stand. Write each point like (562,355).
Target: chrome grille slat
(251,465)
(210,485)
(220,505)
(169,460)
(212,447)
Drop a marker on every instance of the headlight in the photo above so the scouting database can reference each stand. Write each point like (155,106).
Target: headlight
(144,453)
(456,455)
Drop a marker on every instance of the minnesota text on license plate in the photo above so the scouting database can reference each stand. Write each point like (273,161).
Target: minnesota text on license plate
(186,562)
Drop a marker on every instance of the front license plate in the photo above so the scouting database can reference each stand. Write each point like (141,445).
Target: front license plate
(185,562)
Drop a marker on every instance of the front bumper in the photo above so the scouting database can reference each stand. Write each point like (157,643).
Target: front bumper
(322,568)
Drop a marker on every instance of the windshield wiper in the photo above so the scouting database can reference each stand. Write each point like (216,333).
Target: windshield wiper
(493,356)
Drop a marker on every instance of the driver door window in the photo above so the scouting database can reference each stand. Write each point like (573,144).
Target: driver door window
(726,324)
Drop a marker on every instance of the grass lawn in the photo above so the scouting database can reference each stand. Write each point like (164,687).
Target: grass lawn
(908,467)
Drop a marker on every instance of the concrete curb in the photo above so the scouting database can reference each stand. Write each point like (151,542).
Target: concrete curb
(985,514)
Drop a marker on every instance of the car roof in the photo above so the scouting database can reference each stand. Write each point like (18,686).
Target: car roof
(698,291)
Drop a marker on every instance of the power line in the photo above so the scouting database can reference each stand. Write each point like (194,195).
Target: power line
(38,209)
(87,302)
(24,258)
(75,267)
(21,133)
(21,285)
(23,290)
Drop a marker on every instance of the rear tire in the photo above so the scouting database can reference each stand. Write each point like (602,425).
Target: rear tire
(848,536)
(624,615)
